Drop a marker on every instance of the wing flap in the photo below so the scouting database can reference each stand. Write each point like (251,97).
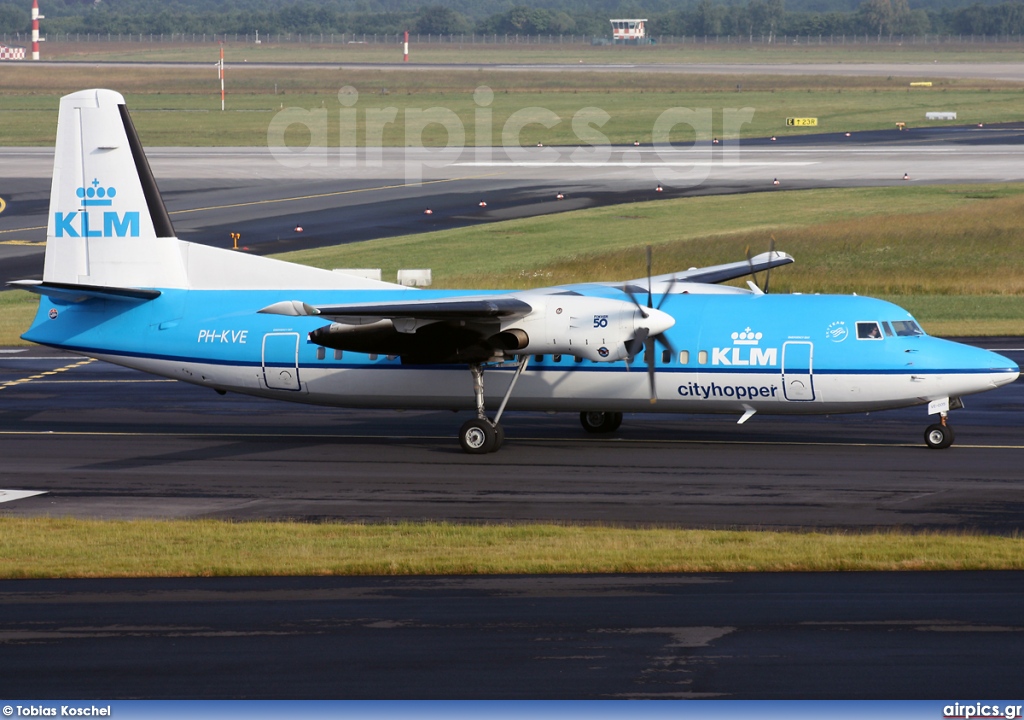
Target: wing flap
(458,308)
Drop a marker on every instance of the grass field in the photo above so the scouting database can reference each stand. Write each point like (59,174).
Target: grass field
(852,50)
(65,548)
(953,258)
(180,106)
(951,254)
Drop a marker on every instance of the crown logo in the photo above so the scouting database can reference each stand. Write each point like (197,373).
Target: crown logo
(747,337)
(96,194)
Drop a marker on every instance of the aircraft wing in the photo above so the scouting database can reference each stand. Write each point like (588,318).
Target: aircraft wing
(720,273)
(439,330)
(488,307)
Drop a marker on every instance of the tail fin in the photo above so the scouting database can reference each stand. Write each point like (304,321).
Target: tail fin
(108,227)
(104,202)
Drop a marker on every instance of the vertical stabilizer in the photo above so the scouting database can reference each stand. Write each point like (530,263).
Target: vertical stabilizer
(107,224)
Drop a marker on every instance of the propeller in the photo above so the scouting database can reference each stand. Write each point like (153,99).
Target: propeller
(756,286)
(768,272)
(750,262)
(643,338)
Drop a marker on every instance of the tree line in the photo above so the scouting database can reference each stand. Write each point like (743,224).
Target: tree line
(754,18)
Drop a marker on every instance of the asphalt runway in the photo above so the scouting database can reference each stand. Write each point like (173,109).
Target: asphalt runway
(337,197)
(1005,71)
(949,636)
(103,441)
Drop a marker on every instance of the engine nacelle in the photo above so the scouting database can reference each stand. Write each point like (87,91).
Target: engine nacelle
(597,329)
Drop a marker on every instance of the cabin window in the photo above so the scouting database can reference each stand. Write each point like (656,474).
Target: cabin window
(321,353)
(392,357)
(888,330)
(556,358)
(702,357)
(684,357)
(868,331)
(666,357)
(538,358)
(907,328)
(338,354)
(578,359)
(373,356)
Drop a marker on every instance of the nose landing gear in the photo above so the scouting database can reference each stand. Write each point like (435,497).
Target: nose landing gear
(940,435)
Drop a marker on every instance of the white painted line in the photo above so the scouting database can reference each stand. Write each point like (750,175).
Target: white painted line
(11,351)
(638,166)
(9,495)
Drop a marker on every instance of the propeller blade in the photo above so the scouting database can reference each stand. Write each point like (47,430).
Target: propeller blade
(768,272)
(650,299)
(750,262)
(649,353)
(664,297)
(665,341)
(635,301)
(634,346)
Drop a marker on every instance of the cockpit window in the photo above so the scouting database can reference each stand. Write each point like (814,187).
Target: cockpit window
(906,328)
(888,330)
(868,331)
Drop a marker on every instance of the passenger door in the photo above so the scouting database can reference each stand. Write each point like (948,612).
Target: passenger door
(281,361)
(797,371)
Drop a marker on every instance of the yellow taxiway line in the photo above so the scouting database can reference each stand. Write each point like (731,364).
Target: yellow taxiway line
(44,375)
(270,201)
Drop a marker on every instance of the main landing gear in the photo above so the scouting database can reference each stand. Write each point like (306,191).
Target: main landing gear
(600,422)
(480,435)
(940,435)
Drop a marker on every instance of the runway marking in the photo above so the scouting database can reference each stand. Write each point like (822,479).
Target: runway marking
(330,194)
(96,382)
(3,204)
(413,438)
(640,165)
(40,376)
(22,242)
(269,202)
(14,230)
(10,495)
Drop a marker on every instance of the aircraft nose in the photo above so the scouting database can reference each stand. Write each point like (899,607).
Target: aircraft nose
(1004,370)
(993,369)
(657,321)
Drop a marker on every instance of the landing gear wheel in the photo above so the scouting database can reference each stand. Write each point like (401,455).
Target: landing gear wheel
(478,437)
(499,437)
(600,422)
(938,437)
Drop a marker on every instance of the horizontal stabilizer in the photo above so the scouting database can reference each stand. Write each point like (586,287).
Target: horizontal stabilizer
(78,293)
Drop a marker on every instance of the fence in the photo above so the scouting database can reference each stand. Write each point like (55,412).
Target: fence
(507,39)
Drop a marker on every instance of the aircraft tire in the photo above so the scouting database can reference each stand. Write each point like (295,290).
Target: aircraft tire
(478,437)
(499,437)
(600,422)
(938,437)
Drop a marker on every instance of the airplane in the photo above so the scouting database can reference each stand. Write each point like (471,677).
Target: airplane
(118,285)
